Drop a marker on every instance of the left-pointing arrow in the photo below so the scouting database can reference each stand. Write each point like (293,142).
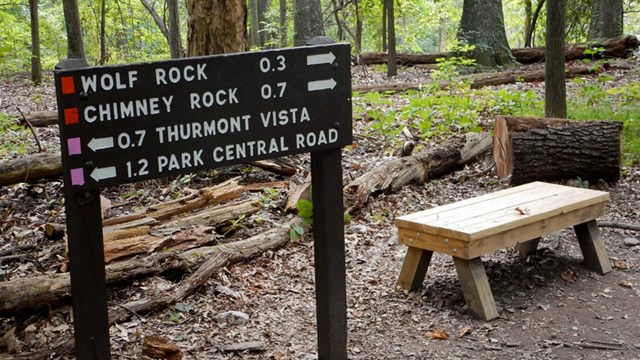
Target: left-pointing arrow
(321,84)
(101,143)
(103,173)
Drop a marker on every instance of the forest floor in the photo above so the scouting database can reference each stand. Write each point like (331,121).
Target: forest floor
(544,314)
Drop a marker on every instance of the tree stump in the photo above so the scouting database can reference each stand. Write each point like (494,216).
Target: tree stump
(538,149)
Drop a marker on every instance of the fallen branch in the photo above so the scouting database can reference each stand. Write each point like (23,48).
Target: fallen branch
(48,290)
(432,163)
(478,81)
(619,225)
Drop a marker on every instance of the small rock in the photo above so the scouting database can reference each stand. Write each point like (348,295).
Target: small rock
(355,229)
(245,346)
(393,240)
(232,317)
(2,275)
(631,242)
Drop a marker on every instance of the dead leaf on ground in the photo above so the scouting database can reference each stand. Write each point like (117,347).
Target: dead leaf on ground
(620,264)
(466,330)
(569,276)
(437,334)
(626,283)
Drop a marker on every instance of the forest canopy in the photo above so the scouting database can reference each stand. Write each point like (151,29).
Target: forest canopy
(132,32)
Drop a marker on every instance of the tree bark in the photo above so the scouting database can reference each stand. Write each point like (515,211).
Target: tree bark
(606,19)
(75,45)
(283,23)
(555,89)
(621,47)
(482,25)
(31,168)
(392,69)
(429,164)
(175,38)
(307,21)
(533,149)
(216,27)
(36,64)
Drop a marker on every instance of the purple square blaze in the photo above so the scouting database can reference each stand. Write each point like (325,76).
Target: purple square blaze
(73,144)
(77,176)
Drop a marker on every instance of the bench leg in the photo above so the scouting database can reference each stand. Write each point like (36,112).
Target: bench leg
(475,287)
(414,268)
(592,246)
(527,248)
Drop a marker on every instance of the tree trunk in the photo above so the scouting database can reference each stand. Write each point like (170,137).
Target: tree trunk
(532,149)
(528,14)
(621,47)
(75,45)
(528,39)
(384,25)
(254,36)
(307,21)
(36,64)
(482,25)
(103,32)
(216,27)
(175,39)
(392,69)
(606,19)
(283,23)
(429,164)
(555,89)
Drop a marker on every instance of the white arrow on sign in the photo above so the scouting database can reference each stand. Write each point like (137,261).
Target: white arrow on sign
(101,143)
(320,59)
(103,173)
(321,85)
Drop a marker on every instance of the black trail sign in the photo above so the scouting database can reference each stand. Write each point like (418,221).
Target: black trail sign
(123,124)
(129,123)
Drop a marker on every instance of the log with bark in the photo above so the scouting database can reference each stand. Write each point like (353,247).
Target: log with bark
(33,167)
(431,163)
(48,290)
(481,80)
(536,149)
(621,47)
(40,118)
(49,165)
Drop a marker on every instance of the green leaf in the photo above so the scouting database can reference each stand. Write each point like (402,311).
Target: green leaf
(305,208)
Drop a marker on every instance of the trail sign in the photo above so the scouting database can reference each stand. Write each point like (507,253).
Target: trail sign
(128,123)
(123,124)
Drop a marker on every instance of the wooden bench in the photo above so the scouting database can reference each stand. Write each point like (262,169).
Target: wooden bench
(517,216)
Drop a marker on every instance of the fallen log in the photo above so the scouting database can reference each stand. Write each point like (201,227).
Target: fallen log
(33,167)
(536,149)
(49,290)
(432,163)
(621,47)
(40,118)
(478,81)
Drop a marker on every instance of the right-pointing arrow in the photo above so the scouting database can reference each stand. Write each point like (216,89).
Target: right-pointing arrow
(101,143)
(103,173)
(319,59)
(321,84)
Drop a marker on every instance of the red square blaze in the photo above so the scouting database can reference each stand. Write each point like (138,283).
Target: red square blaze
(68,86)
(70,116)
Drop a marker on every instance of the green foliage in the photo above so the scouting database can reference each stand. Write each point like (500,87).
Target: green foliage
(15,138)
(620,103)
(305,209)
(269,198)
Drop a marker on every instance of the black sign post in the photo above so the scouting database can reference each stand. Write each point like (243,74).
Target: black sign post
(129,123)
